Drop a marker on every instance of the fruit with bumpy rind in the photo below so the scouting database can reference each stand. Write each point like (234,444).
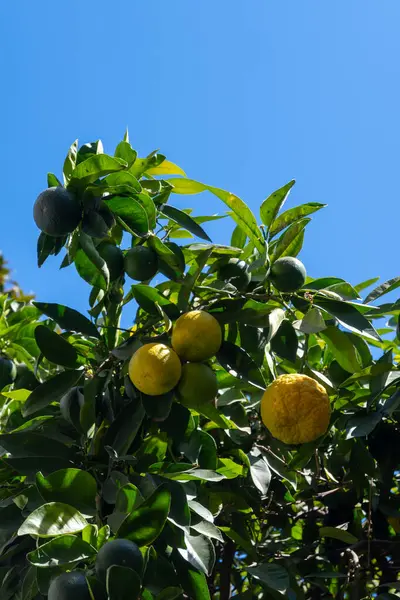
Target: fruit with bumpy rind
(121,552)
(288,274)
(141,263)
(113,257)
(57,212)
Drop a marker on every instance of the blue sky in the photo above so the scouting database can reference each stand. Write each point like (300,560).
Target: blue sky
(243,95)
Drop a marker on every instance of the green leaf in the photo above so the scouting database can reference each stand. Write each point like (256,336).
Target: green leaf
(125,151)
(97,165)
(342,349)
(53,181)
(148,297)
(238,362)
(382,289)
(55,348)
(47,245)
(185,221)
(362,424)
(193,581)
(271,574)
(125,427)
(391,404)
(292,215)
(208,529)
(51,390)
(166,168)
(68,318)
(71,486)
(349,317)
(90,265)
(54,518)
(30,443)
(365,284)
(229,469)
(199,552)
(123,583)
(145,524)
(285,341)
(289,239)
(63,550)
(238,238)
(275,319)
(241,213)
(70,161)
(271,206)
(130,211)
(259,472)
(338,534)
(165,254)
(312,322)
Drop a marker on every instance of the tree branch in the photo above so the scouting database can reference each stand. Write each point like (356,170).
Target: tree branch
(225,574)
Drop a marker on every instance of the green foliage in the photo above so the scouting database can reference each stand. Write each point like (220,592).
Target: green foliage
(209,503)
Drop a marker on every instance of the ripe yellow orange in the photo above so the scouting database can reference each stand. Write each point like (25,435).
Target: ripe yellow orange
(196,336)
(295,409)
(155,369)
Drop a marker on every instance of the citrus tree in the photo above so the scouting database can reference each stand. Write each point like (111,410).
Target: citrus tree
(240,439)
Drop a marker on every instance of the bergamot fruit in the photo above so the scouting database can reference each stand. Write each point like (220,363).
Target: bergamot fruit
(121,552)
(57,212)
(155,369)
(69,586)
(198,385)
(295,409)
(196,336)
(141,263)
(288,274)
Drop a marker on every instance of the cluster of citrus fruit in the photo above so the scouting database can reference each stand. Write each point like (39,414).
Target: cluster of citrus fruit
(74,585)
(156,369)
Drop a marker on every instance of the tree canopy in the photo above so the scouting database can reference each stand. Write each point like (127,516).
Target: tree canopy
(218,507)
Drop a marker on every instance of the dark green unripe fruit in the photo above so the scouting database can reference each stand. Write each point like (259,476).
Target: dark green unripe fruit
(8,372)
(141,263)
(123,553)
(113,257)
(236,272)
(288,274)
(70,406)
(57,212)
(69,586)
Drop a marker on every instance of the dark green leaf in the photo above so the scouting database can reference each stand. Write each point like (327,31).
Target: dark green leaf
(145,524)
(382,289)
(194,582)
(68,318)
(338,534)
(292,215)
(55,348)
(167,255)
(62,550)
(132,213)
(348,316)
(362,424)
(380,372)
(271,206)
(53,181)
(125,151)
(185,221)
(391,404)
(239,363)
(51,390)
(29,443)
(284,244)
(124,428)
(365,284)
(71,486)
(285,341)
(259,472)
(271,574)
(54,518)
(88,257)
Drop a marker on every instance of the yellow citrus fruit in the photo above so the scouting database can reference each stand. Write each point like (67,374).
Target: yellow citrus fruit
(196,336)
(296,409)
(197,386)
(155,369)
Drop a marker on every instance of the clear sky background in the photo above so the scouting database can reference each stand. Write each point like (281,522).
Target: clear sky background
(243,95)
